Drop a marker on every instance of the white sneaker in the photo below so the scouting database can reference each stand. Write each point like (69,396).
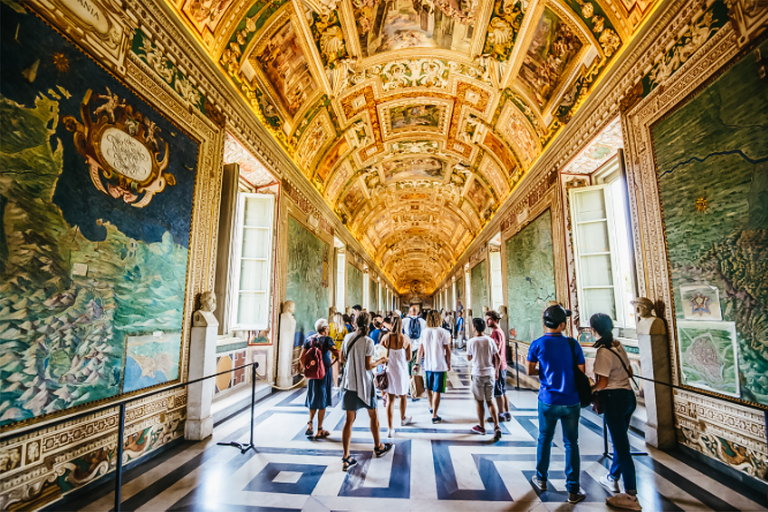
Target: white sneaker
(408,420)
(609,483)
(624,501)
(391,432)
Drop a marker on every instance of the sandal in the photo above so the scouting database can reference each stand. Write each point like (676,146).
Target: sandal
(347,463)
(322,433)
(309,432)
(381,451)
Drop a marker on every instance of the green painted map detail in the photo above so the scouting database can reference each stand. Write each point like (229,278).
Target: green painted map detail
(530,277)
(354,285)
(478,281)
(712,158)
(460,298)
(307,280)
(374,296)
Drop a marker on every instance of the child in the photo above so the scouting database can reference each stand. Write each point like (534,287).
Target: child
(483,353)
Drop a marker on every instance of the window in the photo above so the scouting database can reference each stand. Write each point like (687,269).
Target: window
(341,287)
(252,262)
(602,248)
(497,292)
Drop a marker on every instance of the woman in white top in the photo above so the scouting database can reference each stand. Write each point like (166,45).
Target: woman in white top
(398,347)
(435,349)
(357,390)
(613,373)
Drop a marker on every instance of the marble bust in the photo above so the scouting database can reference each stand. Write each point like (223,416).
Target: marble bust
(285,344)
(647,321)
(204,316)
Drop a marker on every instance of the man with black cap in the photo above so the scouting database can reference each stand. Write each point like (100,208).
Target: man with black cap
(558,398)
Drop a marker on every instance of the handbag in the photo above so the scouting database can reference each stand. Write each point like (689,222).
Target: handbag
(597,402)
(583,385)
(381,380)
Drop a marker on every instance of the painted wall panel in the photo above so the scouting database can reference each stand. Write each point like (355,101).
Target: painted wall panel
(354,286)
(479,284)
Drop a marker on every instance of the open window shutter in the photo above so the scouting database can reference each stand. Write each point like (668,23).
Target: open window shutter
(592,232)
(253,267)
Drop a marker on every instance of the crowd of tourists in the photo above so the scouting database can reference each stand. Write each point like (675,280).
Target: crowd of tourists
(371,357)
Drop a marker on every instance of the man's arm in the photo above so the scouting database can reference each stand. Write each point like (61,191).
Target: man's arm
(448,355)
(532,368)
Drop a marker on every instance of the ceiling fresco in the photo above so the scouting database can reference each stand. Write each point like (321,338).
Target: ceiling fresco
(414,119)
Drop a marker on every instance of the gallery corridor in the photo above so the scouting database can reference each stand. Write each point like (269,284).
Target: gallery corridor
(432,467)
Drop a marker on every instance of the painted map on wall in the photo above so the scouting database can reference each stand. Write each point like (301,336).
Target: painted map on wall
(374,296)
(460,298)
(479,283)
(96,193)
(307,281)
(354,286)
(712,163)
(530,277)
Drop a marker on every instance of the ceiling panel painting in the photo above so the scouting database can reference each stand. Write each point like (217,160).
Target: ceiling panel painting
(413,123)
(553,47)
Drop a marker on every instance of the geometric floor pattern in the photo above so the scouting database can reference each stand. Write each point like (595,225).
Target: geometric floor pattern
(431,467)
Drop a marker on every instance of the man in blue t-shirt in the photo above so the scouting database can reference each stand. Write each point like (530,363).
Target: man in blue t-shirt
(558,398)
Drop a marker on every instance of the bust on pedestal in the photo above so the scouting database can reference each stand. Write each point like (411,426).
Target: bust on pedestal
(654,361)
(285,344)
(202,362)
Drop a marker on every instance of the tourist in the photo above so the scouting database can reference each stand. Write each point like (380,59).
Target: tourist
(356,310)
(500,390)
(398,354)
(319,390)
(376,332)
(459,329)
(483,353)
(414,327)
(613,372)
(435,350)
(338,330)
(558,398)
(348,323)
(357,389)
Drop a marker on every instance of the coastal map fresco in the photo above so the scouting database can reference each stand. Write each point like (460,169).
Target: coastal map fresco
(479,283)
(712,165)
(354,285)
(306,284)
(530,277)
(93,245)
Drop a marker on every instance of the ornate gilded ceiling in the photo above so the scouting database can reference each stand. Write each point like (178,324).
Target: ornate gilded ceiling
(415,119)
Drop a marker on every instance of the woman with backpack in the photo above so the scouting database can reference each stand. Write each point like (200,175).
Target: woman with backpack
(315,362)
(618,402)
(398,348)
(357,387)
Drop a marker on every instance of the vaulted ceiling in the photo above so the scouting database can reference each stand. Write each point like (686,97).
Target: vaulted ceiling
(414,119)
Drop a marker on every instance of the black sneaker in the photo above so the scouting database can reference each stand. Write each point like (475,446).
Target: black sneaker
(576,497)
(437,419)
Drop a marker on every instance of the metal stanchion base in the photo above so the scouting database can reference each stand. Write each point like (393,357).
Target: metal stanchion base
(240,446)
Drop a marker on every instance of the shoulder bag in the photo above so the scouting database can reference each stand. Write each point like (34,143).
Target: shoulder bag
(381,380)
(583,386)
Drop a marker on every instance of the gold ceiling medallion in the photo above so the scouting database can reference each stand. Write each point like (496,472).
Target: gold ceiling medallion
(121,148)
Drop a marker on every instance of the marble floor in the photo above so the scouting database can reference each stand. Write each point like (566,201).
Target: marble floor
(432,467)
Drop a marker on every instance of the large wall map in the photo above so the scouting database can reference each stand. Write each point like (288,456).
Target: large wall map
(479,284)
(530,277)
(307,280)
(354,286)
(712,164)
(92,263)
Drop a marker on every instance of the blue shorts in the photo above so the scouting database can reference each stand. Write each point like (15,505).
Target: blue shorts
(500,387)
(435,381)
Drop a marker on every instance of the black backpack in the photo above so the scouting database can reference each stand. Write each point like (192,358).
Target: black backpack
(414,329)
(583,386)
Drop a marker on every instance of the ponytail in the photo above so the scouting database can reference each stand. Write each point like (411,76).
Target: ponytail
(603,326)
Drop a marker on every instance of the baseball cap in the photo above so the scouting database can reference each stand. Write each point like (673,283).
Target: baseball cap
(555,315)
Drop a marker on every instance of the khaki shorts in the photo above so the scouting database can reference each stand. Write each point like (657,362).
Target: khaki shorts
(482,388)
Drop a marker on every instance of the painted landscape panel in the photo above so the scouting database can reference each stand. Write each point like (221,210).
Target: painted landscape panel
(374,290)
(286,67)
(479,283)
(414,116)
(553,47)
(92,264)
(386,25)
(413,168)
(354,285)
(460,294)
(712,165)
(530,277)
(307,280)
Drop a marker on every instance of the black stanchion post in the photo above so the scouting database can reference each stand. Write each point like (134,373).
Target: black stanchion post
(119,457)
(517,369)
(250,446)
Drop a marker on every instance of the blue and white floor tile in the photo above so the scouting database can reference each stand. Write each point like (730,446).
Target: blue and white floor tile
(431,467)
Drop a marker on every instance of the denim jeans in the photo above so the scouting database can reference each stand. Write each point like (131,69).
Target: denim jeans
(548,416)
(618,406)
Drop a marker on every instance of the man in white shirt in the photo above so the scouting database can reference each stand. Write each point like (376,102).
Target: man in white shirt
(483,353)
(436,351)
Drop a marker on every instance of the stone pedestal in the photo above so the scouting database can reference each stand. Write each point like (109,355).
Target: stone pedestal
(285,349)
(655,363)
(202,362)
